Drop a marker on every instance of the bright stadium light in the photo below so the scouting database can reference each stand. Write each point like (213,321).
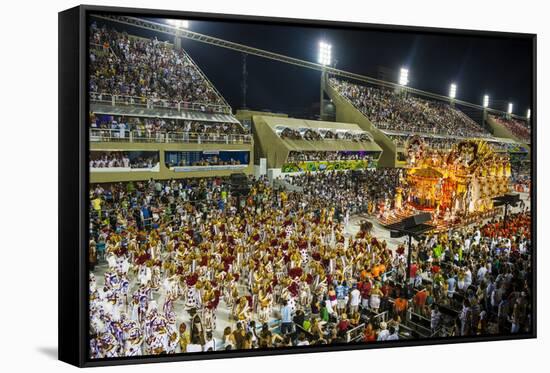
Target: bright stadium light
(325,53)
(510,108)
(452,91)
(179,23)
(404,76)
(486,101)
(528,113)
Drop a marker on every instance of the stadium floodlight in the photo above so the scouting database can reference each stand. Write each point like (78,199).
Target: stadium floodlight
(452,91)
(179,23)
(510,108)
(404,76)
(528,113)
(486,101)
(325,53)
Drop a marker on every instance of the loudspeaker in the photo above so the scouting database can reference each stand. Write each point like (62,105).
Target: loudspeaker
(239,184)
(242,190)
(511,199)
(238,179)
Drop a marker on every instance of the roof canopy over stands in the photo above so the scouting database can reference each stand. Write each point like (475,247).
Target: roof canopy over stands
(276,148)
(277,125)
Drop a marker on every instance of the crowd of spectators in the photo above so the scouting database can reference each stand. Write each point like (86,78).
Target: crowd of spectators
(211,161)
(319,135)
(350,192)
(519,128)
(123,160)
(479,278)
(304,156)
(432,142)
(389,110)
(444,143)
(147,69)
(153,127)
(291,134)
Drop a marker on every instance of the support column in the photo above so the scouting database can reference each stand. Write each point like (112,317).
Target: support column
(177,40)
(408,276)
(321,111)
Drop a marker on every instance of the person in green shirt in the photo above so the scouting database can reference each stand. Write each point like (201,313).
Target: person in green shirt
(438,250)
(324,312)
(306,325)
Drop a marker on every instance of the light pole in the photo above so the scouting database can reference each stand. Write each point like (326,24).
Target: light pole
(325,57)
(403,79)
(179,24)
(485,106)
(452,93)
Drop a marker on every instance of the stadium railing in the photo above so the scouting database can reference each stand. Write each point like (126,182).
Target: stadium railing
(134,136)
(355,334)
(150,103)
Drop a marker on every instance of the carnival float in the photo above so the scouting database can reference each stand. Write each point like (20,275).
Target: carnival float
(455,185)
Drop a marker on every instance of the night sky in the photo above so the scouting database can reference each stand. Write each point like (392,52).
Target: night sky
(499,67)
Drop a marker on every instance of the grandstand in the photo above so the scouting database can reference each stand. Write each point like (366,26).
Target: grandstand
(393,116)
(513,128)
(147,96)
(292,145)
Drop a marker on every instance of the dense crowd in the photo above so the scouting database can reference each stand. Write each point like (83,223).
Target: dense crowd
(294,134)
(318,135)
(389,110)
(211,161)
(350,192)
(432,142)
(306,156)
(479,279)
(147,69)
(282,265)
(509,147)
(519,128)
(123,159)
(444,143)
(290,133)
(153,128)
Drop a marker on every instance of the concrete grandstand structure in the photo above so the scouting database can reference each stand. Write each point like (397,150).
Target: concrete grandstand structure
(109,102)
(274,147)
(393,142)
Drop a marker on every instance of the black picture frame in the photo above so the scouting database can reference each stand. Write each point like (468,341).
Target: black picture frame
(73,185)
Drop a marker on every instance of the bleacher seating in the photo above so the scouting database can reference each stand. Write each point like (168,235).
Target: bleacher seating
(519,128)
(146,70)
(388,110)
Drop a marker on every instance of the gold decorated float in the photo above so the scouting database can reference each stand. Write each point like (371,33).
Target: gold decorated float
(456,183)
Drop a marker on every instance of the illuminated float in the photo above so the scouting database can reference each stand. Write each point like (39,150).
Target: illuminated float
(456,185)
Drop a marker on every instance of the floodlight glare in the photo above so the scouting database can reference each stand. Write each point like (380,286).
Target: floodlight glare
(404,76)
(510,108)
(528,113)
(179,23)
(325,53)
(486,101)
(452,91)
